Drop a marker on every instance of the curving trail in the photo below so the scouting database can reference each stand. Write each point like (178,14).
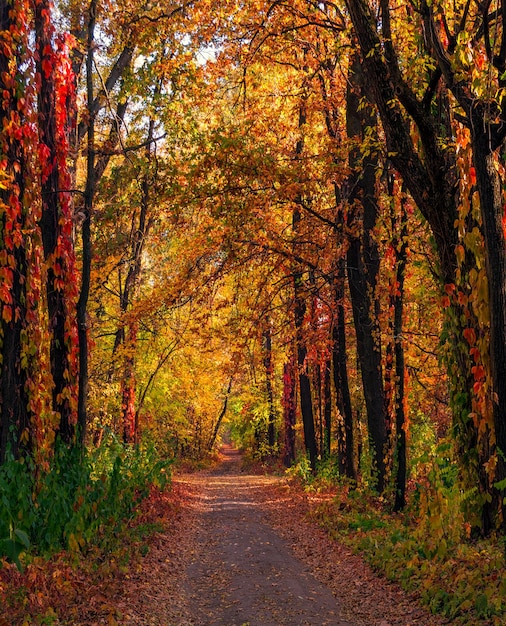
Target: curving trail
(258,560)
(242,551)
(243,571)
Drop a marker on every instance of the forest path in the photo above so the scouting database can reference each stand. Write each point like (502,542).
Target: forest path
(243,571)
(256,560)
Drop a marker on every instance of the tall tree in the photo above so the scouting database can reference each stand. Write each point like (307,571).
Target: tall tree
(87,208)
(481,98)
(395,369)
(306,401)
(289,411)
(363,261)
(15,427)
(55,95)
(427,163)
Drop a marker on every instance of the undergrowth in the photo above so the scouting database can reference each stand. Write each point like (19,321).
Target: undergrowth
(82,524)
(81,501)
(427,548)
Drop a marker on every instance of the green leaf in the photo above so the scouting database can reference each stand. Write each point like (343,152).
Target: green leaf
(12,549)
(22,537)
(481,604)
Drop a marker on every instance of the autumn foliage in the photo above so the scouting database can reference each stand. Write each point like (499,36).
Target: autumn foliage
(277,222)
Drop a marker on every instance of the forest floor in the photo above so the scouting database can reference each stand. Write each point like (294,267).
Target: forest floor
(243,551)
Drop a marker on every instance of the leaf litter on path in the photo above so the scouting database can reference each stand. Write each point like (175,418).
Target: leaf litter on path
(260,560)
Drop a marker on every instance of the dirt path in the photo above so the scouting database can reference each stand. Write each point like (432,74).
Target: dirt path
(242,551)
(243,571)
(257,561)
(233,549)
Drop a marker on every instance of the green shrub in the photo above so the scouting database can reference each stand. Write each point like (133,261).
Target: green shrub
(82,500)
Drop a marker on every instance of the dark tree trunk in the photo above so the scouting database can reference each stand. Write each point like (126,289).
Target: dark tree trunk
(59,270)
(89,195)
(327,409)
(14,412)
(487,134)
(221,415)
(400,416)
(346,446)
(363,267)
(318,396)
(290,412)
(339,358)
(433,184)
(400,245)
(306,402)
(492,210)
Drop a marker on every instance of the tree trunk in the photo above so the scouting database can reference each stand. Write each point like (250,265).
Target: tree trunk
(400,245)
(345,437)
(433,184)
(327,409)
(492,210)
(128,413)
(221,415)
(89,195)
(56,228)
(290,411)
(318,396)
(363,267)
(15,421)
(306,403)
(346,446)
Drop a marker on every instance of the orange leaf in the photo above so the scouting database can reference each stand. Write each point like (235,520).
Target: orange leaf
(470,336)
(479,372)
(7,313)
(475,353)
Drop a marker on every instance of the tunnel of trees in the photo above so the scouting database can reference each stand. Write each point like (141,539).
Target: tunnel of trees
(280,221)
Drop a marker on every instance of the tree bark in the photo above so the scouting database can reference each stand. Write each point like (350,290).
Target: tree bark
(363,267)
(400,245)
(346,445)
(221,415)
(327,409)
(60,270)
(433,184)
(339,357)
(306,402)
(492,210)
(89,195)
(486,122)
(15,419)
(290,411)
